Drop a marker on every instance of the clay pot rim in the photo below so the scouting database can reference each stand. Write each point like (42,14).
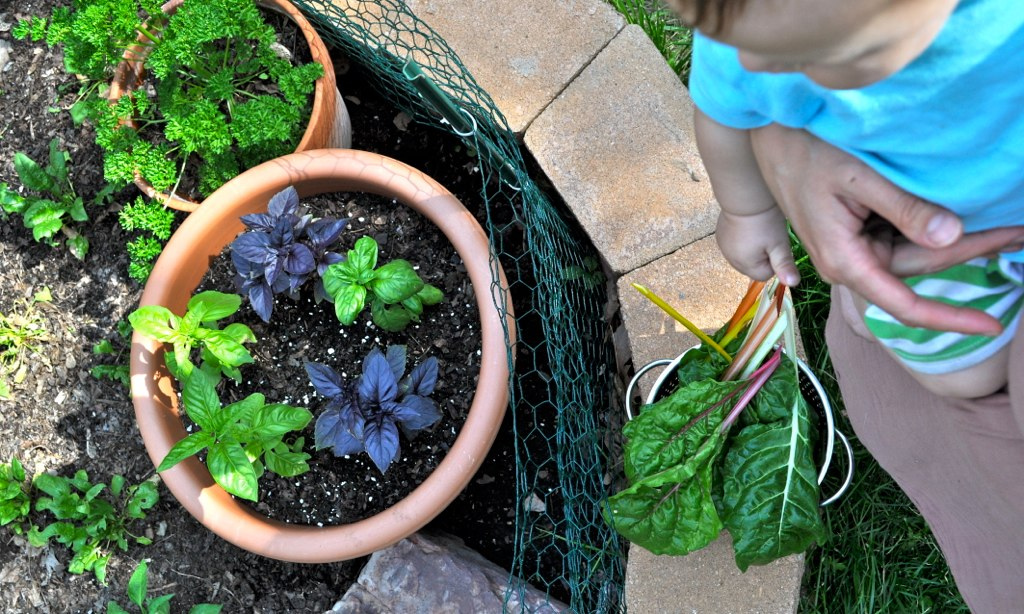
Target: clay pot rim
(183,264)
(129,74)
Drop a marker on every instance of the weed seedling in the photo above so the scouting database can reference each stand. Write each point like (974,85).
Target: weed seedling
(20,334)
(51,203)
(88,523)
(138,586)
(14,500)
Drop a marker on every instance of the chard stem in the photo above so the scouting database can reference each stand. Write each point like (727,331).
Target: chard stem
(781,326)
(678,317)
(756,383)
(745,307)
(755,337)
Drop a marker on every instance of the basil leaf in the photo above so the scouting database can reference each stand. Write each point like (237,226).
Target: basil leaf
(381,442)
(349,300)
(230,468)
(201,402)
(287,464)
(391,319)
(430,295)
(277,419)
(185,448)
(339,274)
(363,257)
(217,304)
(156,322)
(226,349)
(395,281)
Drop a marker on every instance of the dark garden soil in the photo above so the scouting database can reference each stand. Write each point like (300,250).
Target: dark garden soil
(338,490)
(60,418)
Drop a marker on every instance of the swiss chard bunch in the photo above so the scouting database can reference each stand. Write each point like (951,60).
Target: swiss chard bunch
(241,440)
(222,350)
(394,291)
(367,414)
(283,249)
(51,204)
(87,522)
(731,447)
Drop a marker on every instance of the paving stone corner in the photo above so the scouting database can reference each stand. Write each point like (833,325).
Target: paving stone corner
(618,146)
(522,53)
(700,284)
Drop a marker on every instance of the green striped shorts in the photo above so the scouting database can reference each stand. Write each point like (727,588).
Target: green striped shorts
(995,286)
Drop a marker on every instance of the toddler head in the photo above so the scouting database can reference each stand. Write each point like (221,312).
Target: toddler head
(839,44)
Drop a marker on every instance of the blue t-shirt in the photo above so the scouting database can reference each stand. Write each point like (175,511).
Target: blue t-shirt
(949,127)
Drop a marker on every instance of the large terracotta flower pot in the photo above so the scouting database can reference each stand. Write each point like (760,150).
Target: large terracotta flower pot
(329,122)
(181,267)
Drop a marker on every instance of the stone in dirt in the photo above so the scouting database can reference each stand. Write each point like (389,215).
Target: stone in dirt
(427,574)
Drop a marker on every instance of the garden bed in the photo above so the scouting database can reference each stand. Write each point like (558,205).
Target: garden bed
(61,418)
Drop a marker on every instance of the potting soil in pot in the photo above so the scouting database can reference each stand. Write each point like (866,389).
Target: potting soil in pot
(340,490)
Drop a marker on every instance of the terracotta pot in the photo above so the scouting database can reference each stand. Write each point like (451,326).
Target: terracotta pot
(184,262)
(329,122)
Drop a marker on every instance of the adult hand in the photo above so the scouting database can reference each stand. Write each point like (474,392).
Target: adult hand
(828,195)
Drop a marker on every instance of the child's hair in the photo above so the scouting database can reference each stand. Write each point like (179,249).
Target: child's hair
(719,12)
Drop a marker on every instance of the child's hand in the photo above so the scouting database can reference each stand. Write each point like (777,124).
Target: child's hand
(757,245)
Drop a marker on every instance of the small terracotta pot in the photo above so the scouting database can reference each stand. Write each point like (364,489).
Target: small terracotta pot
(181,267)
(329,122)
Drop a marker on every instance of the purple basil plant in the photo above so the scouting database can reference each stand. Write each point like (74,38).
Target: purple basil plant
(367,414)
(281,250)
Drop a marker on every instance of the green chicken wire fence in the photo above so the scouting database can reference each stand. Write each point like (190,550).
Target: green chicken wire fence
(561,392)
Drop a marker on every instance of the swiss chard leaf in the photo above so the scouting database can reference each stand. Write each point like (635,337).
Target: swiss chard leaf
(667,433)
(672,512)
(770,489)
(670,456)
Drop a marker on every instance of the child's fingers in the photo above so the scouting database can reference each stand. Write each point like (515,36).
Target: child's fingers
(782,264)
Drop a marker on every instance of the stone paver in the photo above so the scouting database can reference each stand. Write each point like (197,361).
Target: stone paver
(618,145)
(698,282)
(611,126)
(522,53)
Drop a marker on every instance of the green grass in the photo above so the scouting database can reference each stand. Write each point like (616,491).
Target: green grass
(669,36)
(881,556)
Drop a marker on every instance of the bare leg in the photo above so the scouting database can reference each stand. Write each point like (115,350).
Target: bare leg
(961,461)
(980,380)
